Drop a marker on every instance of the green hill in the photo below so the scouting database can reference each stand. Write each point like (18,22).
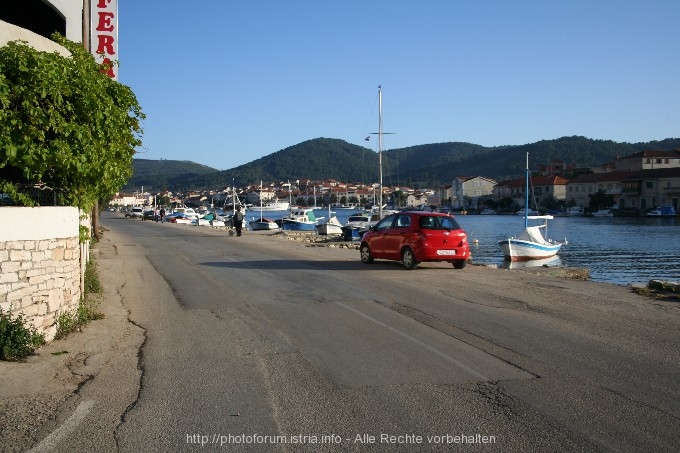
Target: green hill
(416,166)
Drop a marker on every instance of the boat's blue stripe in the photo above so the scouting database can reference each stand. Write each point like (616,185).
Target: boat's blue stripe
(547,248)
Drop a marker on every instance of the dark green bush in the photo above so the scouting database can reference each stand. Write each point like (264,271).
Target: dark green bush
(17,341)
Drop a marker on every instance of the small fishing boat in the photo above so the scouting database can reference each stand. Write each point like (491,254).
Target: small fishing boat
(263,223)
(532,242)
(332,227)
(663,211)
(603,213)
(300,219)
(575,211)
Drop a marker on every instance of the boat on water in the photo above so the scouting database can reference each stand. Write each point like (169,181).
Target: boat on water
(300,219)
(263,223)
(573,211)
(663,211)
(603,213)
(532,242)
(188,212)
(527,211)
(487,211)
(359,222)
(179,218)
(275,205)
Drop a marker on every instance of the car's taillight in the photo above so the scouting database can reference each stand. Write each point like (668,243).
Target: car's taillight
(419,236)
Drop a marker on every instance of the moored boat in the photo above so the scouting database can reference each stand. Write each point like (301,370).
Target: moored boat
(532,242)
(300,219)
(331,227)
(603,213)
(263,223)
(275,205)
(663,211)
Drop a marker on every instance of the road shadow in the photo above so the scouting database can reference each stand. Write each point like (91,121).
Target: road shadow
(351,266)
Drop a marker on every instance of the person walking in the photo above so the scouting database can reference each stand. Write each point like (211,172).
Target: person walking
(238,220)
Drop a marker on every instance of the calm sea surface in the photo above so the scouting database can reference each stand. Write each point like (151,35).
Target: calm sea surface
(615,250)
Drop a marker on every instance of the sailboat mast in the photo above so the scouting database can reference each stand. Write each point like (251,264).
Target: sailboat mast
(380,195)
(526,194)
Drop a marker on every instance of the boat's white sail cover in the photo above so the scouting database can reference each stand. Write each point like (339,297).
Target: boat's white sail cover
(533,234)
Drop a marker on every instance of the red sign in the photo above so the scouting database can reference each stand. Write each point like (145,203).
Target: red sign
(104,33)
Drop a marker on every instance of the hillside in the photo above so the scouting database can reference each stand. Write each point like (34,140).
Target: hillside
(416,166)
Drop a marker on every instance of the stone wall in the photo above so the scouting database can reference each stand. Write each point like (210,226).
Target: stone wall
(40,264)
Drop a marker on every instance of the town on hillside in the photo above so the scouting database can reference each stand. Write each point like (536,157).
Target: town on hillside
(630,185)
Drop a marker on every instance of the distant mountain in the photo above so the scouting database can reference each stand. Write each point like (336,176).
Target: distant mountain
(157,175)
(415,166)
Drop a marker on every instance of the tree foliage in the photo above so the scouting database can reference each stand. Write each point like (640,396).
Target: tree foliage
(64,123)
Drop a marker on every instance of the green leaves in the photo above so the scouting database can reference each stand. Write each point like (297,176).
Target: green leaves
(65,123)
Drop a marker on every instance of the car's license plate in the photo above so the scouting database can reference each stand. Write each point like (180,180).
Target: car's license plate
(446,252)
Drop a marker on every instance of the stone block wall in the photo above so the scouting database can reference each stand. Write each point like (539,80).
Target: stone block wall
(40,264)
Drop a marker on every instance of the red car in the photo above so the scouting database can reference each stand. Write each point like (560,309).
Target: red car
(414,237)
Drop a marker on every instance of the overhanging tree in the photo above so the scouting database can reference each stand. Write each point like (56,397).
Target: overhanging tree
(65,124)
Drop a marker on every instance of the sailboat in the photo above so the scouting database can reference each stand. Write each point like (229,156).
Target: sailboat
(331,227)
(531,243)
(263,223)
(357,224)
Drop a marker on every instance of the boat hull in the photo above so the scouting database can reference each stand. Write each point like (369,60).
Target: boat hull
(263,224)
(330,230)
(521,250)
(292,225)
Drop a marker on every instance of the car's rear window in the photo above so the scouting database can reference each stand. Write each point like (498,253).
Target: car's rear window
(438,223)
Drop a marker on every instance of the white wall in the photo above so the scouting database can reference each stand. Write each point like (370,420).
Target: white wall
(22,224)
(9,32)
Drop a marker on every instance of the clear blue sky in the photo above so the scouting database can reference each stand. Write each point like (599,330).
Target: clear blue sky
(224,82)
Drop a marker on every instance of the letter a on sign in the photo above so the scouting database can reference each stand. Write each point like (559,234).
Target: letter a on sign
(104,34)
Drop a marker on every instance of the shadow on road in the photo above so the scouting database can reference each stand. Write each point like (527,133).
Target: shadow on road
(323,265)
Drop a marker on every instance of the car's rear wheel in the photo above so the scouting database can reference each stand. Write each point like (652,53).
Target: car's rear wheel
(409,259)
(366,254)
(460,264)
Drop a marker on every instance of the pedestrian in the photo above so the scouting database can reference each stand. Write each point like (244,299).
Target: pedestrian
(238,220)
(162,213)
(155,214)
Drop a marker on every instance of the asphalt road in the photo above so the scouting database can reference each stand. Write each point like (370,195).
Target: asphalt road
(257,343)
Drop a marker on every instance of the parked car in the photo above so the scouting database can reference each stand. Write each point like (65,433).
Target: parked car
(136,212)
(414,237)
(149,215)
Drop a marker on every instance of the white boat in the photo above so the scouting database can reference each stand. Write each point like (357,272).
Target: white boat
(531,243)
(358,223)
(575,211)
(528,211)
(332,227)
(300,219)
(663,211)
(603,213)
(210,218)
(275,205)
(487,211)
(189,212)
(263,223)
